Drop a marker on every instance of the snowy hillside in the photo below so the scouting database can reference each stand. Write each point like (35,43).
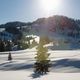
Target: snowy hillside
(64,30)
(59,28)
(65,66)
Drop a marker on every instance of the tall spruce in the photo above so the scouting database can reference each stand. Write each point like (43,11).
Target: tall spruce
(42,58)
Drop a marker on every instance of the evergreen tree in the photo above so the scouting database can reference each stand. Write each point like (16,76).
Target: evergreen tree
(9,49)
(8,46)
(42,54)
(9,57)
(2,46)
(25,42)
(42,59)
(44,40)
(34,43)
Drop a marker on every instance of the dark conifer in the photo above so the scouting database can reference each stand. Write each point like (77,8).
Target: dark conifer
(9,57)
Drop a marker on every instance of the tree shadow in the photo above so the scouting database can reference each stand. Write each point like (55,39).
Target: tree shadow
(67,62)
(34,75)
(65,48)
(66,65)
(15,66)
(37,75)
(61,65)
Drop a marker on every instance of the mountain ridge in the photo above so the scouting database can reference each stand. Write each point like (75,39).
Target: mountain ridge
(19,23)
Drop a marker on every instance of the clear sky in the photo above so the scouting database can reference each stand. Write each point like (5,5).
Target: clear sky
(30,10)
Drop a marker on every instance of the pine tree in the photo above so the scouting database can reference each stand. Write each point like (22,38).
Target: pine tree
(42,54)
(25,42)
(2,46)
(9,49)
(42,59)
(34,43)
(9,57)
(44,40)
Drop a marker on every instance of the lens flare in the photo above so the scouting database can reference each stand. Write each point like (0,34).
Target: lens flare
(50,5)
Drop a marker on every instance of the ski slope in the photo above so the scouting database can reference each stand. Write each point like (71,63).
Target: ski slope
(65,65)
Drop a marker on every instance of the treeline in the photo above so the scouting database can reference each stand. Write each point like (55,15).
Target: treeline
(23,43)
(5,46)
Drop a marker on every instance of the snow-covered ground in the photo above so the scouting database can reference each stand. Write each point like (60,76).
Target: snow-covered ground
(65,66)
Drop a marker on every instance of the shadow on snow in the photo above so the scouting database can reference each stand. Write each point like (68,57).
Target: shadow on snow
(62,65)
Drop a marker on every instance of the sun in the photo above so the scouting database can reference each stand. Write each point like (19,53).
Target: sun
(50,5)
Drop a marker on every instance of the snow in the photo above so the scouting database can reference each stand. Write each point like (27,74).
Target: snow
(65,65)
(26,75)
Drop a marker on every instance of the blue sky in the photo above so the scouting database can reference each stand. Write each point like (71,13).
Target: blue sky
(30,10)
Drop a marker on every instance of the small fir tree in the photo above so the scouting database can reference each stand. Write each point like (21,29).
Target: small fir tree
(42,59)
(9,57)
(9,49)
